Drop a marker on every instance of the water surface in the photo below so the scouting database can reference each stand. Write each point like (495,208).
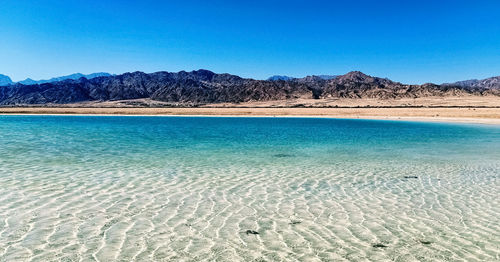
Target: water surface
(85,188)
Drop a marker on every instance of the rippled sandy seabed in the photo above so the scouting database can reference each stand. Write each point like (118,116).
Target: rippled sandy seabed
(76,188)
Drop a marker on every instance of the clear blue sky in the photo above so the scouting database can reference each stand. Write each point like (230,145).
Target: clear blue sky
(407,41)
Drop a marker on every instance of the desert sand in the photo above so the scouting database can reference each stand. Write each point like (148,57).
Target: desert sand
(474,109)
(442,114)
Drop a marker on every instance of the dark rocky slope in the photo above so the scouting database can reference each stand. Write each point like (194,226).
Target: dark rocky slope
(202,86)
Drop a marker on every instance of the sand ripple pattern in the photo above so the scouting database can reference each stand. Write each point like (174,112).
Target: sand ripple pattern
(190,203)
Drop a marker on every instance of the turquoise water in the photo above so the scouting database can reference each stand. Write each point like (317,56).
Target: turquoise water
(85,188)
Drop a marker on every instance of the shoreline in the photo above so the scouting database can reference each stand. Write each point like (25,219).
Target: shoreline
(477,115)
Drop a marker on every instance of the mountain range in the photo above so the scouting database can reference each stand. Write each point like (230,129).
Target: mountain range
(203,86)
(5,80)
(488,83)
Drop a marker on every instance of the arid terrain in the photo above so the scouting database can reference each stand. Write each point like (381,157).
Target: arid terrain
(464,109)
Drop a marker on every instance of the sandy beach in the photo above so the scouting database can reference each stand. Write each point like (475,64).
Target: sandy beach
(464,109)
(442,114)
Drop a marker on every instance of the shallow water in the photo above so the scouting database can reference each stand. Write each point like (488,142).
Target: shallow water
(82,188)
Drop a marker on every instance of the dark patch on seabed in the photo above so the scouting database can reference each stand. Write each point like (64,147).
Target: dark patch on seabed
(282,155)
(379,245)
(251,232)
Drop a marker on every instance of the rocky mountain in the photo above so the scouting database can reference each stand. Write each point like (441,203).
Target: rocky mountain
(488,83)
(203,86)
(29,81)
(5,80)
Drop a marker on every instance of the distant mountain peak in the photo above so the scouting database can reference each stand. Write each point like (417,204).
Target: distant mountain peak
(488,83)
(204,73)
(28,81)
(360,77)
(355,75)
(5,80)
(75,76)
(280,77)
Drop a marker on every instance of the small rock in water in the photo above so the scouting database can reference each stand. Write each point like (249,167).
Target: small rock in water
(410,176)
(426,242)
(379,245)
(248,232)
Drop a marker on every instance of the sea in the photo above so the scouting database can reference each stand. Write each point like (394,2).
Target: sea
(157,188)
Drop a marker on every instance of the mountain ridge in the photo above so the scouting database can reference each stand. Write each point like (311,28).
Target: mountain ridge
(29,81)
(487,83)
(204,86)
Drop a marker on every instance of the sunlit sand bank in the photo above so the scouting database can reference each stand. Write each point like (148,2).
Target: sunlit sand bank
(451,114)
